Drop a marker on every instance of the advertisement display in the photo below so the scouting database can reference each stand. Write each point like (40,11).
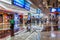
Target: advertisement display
(16,19)
(19,3)
(22,3)
(54,9)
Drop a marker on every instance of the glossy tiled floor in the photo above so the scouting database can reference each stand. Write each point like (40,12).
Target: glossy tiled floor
(47,36)
(44,36)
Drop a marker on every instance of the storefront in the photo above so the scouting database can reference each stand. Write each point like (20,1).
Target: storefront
(4,22)
(25,18)
(21,18)
(32,13)
(4,17)
(17,8)
(13,11)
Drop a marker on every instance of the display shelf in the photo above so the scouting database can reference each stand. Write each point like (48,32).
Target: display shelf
(4,26)
(4,33)
(5,29)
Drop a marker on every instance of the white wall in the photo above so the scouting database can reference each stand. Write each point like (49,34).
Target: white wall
(32,10)
(7,1)
(13,8)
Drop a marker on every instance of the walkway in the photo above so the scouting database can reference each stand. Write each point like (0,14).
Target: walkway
(47,36)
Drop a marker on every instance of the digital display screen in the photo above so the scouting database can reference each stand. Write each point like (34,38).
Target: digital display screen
(19,3)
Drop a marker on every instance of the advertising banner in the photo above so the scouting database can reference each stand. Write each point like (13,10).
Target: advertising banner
(19,3)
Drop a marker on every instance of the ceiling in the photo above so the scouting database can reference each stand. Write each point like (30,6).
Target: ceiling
(46,4)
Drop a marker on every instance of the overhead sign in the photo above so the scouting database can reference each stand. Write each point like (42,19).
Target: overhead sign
(19,3)
(27,5)
(16,19)
(53,10)
(22,3)
(58,9)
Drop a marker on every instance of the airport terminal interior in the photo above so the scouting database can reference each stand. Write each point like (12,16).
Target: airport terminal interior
(29,19)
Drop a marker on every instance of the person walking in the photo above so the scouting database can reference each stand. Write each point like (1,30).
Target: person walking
(12,22)
(29,28)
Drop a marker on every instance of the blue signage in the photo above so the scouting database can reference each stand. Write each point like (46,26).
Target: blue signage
(54,9)
(38,11)
(27,5)
(22,3)
(19,3)
(58,9)
(16,19)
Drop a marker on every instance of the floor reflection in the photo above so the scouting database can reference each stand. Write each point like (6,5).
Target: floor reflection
(47,36)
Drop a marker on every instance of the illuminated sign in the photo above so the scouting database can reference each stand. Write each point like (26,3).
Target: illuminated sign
(19,3)
(38,11)
(16,19)
(58,9)
(53,10)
